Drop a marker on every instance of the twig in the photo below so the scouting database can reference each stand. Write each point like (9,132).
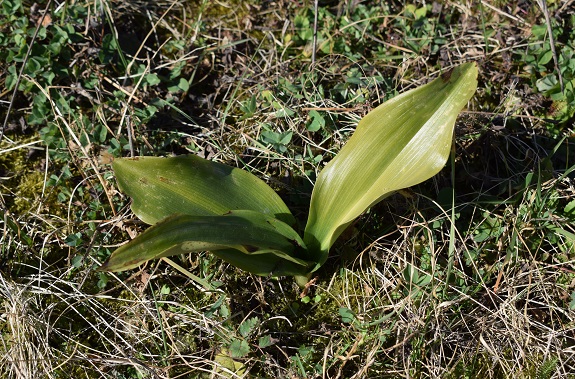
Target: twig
(565,5)
(514,18)
(130,139)
(543,5)
(314,47)
(330,109)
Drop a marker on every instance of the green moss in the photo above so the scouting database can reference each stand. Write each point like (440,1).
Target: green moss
(22,181)
(28,191)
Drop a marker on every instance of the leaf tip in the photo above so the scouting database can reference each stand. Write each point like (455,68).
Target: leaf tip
(465,69)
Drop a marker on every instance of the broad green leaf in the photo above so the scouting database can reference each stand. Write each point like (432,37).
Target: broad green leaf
(194,186)
(399,144)
(249,240)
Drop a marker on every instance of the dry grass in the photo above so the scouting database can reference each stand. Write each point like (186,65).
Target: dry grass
(416,291)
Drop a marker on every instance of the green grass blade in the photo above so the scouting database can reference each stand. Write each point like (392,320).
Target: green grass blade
(401,143)
(250,240)
(194,186)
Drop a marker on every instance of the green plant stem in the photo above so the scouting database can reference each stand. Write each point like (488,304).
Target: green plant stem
(451,252)
(204,283)
(160,318)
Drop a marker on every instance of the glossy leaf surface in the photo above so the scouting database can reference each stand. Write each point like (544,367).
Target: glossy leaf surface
(249,240)
(191,185)
(403,142)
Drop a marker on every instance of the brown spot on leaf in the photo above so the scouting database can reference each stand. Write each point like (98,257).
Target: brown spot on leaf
(294,242)
(165,180)
(251,248)
(446,75)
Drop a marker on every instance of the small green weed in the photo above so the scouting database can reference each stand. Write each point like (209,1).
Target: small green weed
(465,276)
(541,68)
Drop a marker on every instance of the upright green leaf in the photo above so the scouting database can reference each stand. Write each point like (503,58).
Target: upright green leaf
(194,186)
(247,239)
(401,143)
